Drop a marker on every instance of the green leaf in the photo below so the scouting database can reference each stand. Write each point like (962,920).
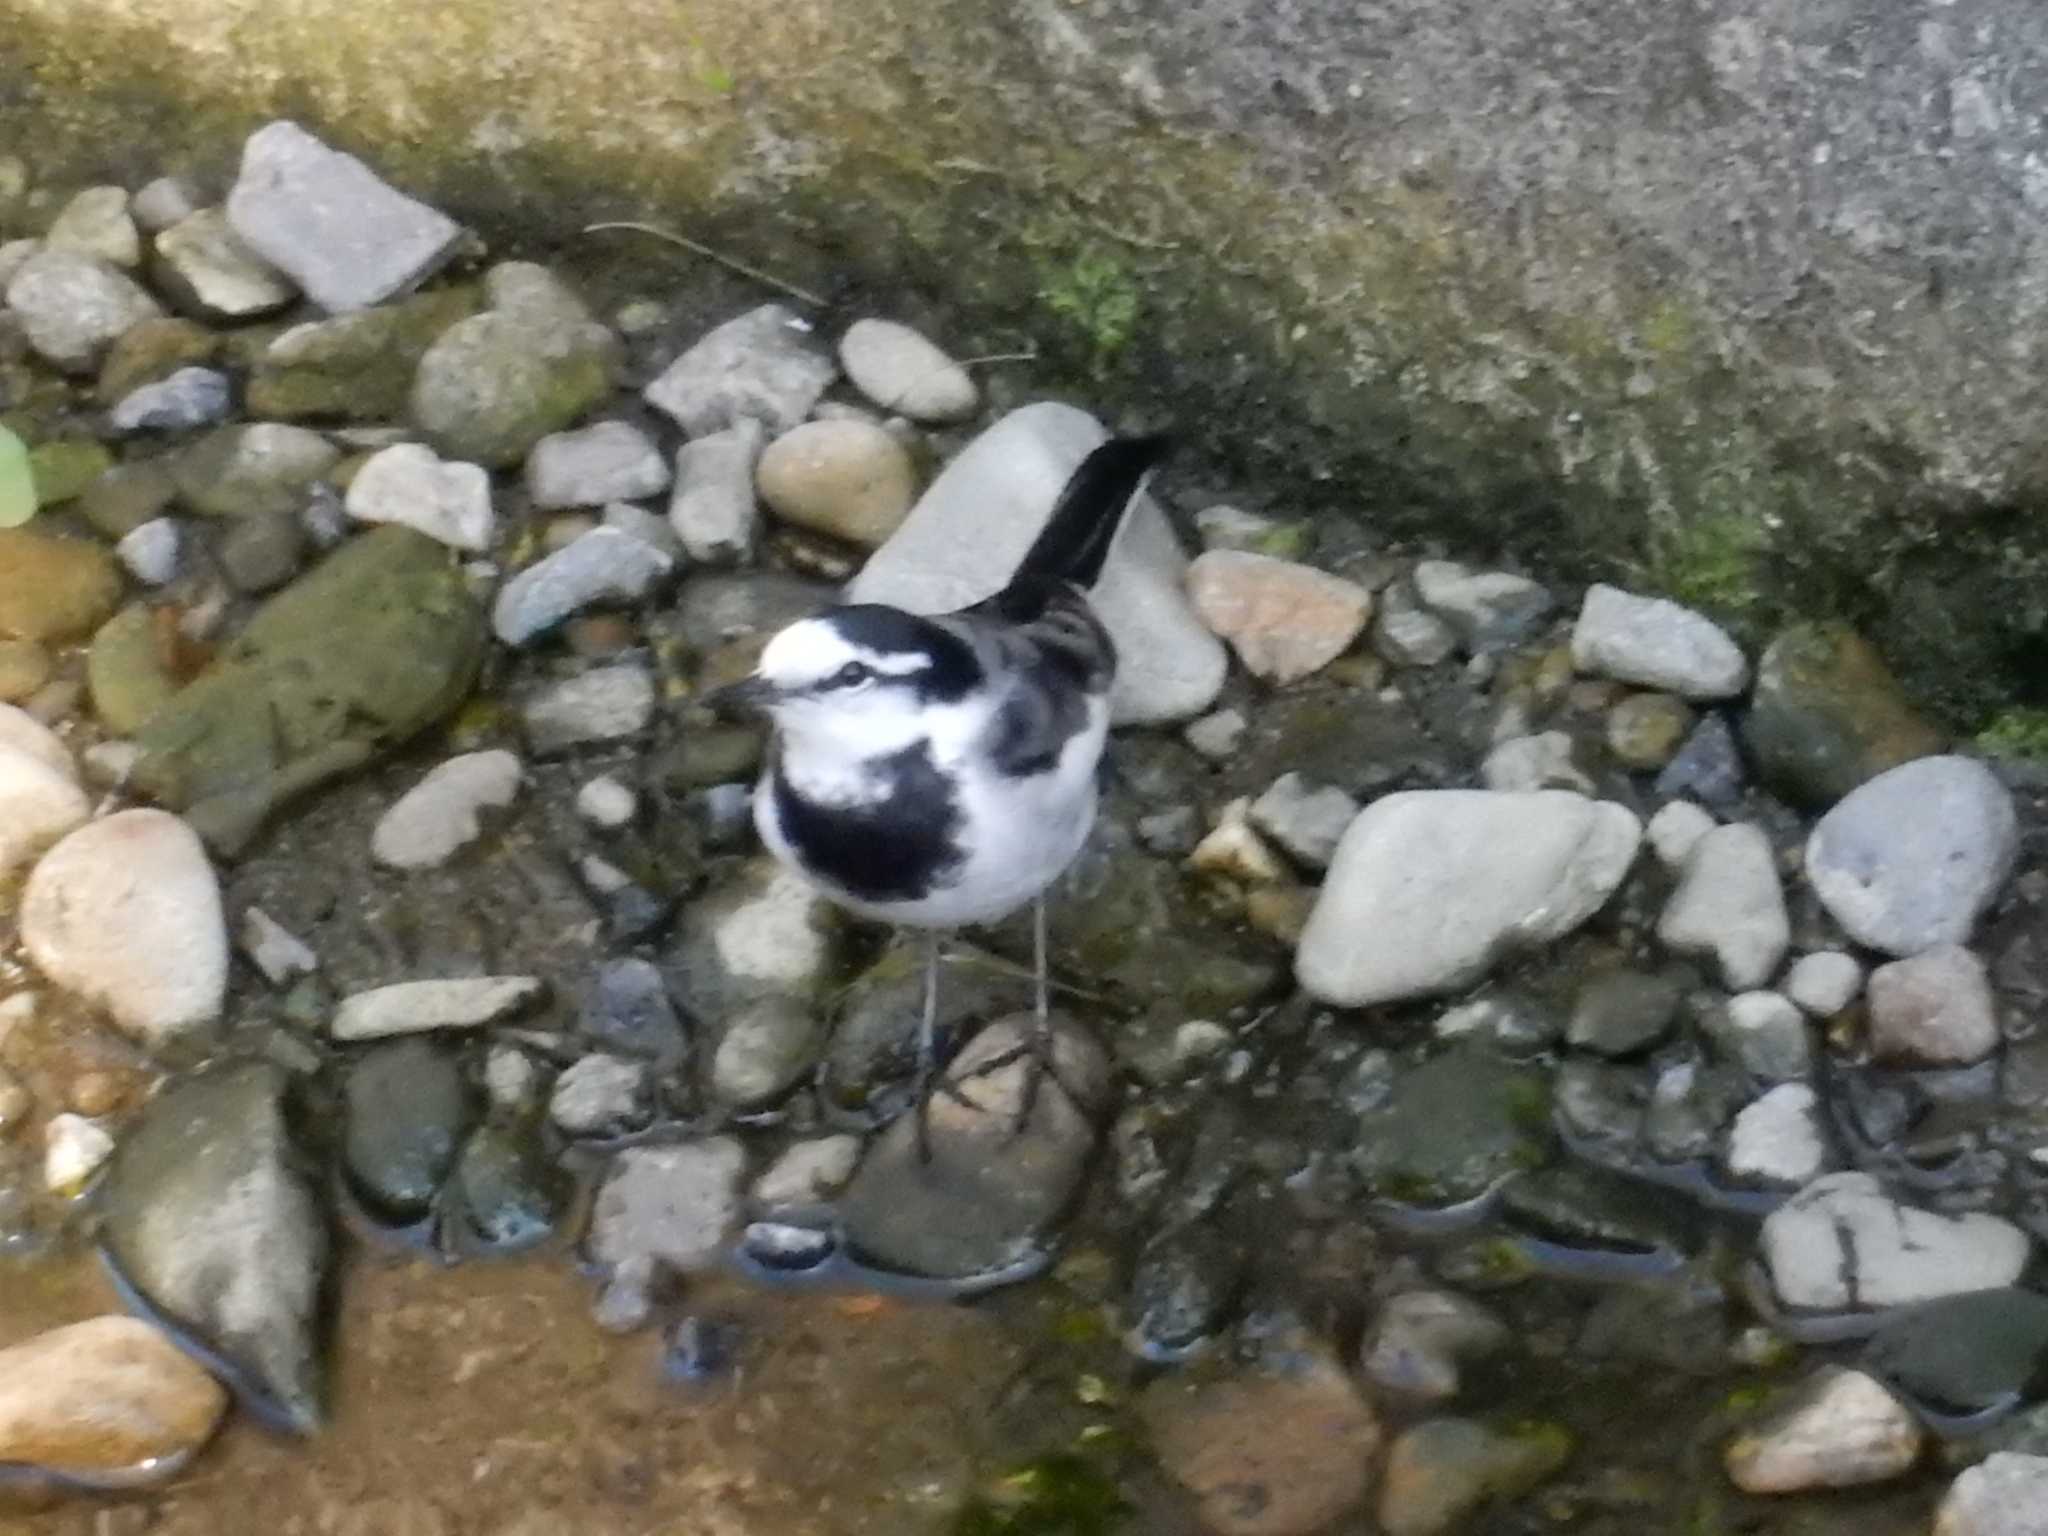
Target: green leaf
(17,485)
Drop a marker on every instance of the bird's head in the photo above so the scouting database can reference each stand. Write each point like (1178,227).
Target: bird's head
(861,681)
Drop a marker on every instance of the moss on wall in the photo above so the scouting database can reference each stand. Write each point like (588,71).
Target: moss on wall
(1372,351)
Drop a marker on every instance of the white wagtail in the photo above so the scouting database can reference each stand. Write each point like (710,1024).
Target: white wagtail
(940,771)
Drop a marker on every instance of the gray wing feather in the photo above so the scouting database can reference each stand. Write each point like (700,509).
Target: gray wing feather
(1051,665)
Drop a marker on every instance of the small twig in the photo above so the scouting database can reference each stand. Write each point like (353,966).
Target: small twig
(733,263)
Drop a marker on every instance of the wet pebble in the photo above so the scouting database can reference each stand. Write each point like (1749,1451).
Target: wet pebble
(188,399)
(162,202)
(1528,763)
(768,1047)
(700,1348)
(344,235)
(206,269)
(446,811)
(408,1109)
(807,1173)
(1489,610)
(207,1184)
(602,566)
(1645,730)
(1764,1033)
(1181,1291)
(108,1403)
(607,803)
(1842,1243)
(627,1011)
(1265,1452)
(605,704)
(96,222)
(1304,818)
(1910,859)
(1429,889)
(1216,736)
(281,955)
(16,1102)
(511,1080)
(1837,1429)
(1441,1470)
(764,931)
(1453,1129)
(1406,634)
(988,1195)
(1825,982)
(1933,1009)
(849,479)
(1708,768)
(601,1095)
(409,484)
(713,510)
(72,306)
(505,1194)
(1730,907)
(1778,1141)
(671,1206)
(126,912)
(1655,643)
(1620,1013)
(760,366)
(1422,1340)
(74,1149)
(409,1007)
(24,668)
(1233,849)
(2004,1495)
(901,371)
(606,461)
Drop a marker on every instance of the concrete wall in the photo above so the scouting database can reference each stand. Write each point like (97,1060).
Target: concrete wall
(1742,298)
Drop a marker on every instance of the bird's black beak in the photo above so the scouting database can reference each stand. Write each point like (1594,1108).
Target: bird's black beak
(748,697)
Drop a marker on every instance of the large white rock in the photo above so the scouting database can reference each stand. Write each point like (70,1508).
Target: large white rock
(347,237)
(1428,889)
(964,538)
(1729,905)
(2006,1494)
(1656,643)
(1843,1244)
(443,812)
(1909,860)
(1838,1429)
(126,913)
(38,805)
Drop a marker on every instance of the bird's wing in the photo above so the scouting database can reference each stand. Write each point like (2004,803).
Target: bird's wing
(1051,657)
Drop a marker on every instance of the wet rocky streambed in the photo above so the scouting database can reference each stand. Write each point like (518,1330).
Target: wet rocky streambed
(1528,1062)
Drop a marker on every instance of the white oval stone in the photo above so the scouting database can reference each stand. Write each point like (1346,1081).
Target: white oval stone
(25,733)
(1428,889)
(1654,642)
(901,371)
(126,913)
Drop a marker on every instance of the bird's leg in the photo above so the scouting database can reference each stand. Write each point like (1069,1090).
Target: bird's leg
(1037,1050)
(927,1047)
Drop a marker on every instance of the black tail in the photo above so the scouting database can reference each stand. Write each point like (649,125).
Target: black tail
(1084,521)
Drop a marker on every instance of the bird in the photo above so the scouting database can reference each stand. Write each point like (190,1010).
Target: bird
(940,771)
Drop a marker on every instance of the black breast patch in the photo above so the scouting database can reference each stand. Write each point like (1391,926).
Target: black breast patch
(902,847)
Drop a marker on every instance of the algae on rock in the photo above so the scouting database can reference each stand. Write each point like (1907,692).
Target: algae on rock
(364,651)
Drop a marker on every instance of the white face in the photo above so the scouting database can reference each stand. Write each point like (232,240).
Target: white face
(844,700)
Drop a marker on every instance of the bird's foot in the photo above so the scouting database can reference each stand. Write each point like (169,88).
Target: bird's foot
(1039,1053)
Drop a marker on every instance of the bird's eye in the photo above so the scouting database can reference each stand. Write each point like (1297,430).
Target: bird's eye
(852,675)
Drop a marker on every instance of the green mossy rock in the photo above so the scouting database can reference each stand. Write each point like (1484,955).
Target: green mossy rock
(125,671)
(1455,1127)
(355,367)
(364,651)
(1827,715)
